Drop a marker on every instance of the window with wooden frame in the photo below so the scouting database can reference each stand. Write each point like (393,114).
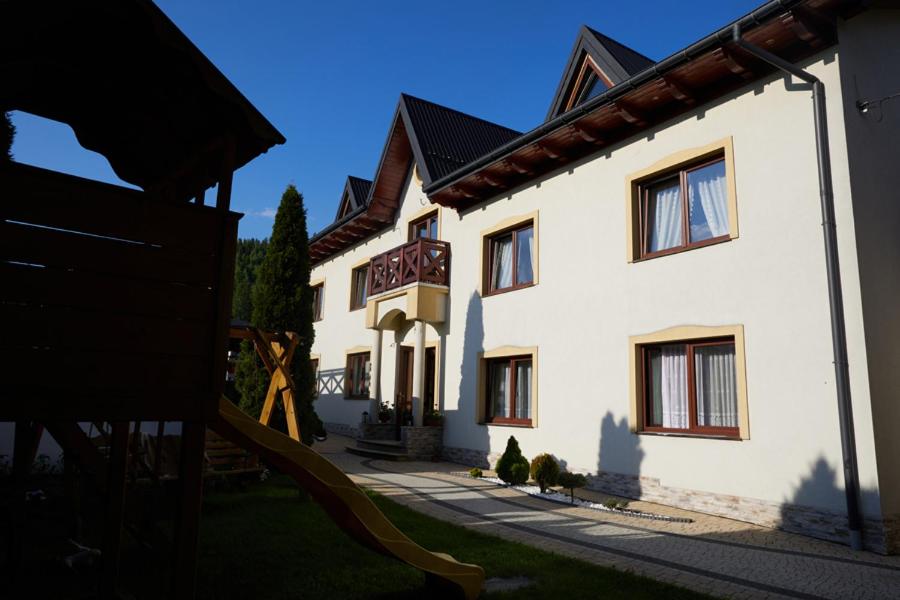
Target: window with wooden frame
(685,208)
(358,287)
(591,82)
(508,397)
(356,376)
(318,295)
(691,387)
(511,256)
(424,228)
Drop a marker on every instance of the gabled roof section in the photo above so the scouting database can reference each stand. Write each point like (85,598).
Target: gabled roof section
(444,139)
(597,63)
(356,191)
(439,140)
(701,73)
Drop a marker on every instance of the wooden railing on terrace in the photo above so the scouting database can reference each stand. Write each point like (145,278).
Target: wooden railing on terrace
(419,261)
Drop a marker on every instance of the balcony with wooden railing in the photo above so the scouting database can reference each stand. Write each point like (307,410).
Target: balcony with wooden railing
(419,261)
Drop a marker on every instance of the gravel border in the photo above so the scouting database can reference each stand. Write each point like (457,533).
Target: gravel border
(552,496)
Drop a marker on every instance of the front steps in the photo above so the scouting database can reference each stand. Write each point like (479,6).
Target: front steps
(380,449)
(418,443)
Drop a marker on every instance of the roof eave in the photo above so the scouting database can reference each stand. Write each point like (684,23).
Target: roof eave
(706,45)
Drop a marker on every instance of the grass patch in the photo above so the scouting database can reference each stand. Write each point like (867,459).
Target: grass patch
(267,543)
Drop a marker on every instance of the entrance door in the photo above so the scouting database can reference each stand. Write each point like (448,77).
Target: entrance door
(404,386)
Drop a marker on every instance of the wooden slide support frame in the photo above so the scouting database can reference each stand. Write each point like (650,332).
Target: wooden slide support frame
(277,357)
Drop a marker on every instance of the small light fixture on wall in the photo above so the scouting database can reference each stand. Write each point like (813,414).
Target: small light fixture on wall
(866,107)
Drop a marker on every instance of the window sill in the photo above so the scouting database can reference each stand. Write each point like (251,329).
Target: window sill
(501,424)
(703,436)
(356,308)
(356,398)
(507,290)
(681,249)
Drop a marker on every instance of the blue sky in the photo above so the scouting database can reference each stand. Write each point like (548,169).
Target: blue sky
(328,76)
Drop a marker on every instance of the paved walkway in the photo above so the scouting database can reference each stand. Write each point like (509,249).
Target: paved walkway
(717,556)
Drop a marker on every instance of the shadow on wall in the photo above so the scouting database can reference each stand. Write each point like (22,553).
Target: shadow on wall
(818,507)
(620,457)
(469,443)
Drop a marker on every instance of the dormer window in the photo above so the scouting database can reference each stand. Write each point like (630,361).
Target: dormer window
(596,64)
(591,82)
(346,206)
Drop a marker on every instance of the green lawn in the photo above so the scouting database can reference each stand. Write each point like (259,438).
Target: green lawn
(266,543)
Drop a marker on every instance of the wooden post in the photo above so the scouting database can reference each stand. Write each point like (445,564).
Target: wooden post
(115,510)
(187,534)
(23,456)
(27,437)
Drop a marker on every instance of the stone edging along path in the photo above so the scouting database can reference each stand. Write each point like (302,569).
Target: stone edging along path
(552,496)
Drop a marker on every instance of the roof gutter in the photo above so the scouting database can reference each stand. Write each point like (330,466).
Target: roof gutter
(714,40)
(835,294)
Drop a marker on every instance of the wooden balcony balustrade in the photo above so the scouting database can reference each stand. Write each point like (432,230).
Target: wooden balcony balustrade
(420,261)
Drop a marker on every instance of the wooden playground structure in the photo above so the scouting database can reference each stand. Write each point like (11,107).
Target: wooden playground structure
(116,301)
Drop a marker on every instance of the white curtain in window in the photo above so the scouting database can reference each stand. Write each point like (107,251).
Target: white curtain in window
(363,284)
(500,400)
(523,390)
(716,386)
(501,267)
(673,387)
(709,186)
(525,259)
(664,218)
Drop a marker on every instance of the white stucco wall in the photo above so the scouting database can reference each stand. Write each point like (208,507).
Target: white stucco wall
(590,300)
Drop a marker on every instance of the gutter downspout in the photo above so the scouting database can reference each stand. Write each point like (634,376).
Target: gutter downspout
(835,295)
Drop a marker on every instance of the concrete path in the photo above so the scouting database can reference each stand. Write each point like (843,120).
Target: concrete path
(717,556)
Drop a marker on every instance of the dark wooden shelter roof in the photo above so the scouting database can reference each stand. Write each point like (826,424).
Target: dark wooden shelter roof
(132,86)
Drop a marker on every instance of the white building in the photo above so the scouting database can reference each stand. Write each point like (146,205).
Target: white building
(638,285)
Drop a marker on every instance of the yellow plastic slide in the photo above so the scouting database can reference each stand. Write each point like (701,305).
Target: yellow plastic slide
(343,500)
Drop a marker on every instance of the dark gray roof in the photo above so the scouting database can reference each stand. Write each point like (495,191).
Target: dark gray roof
(360,188)
(631,60)
(443,139)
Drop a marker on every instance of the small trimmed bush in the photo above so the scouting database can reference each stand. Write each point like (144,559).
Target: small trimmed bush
(545,471)
(615,504)
(475,472)
(519,473)
(512,456)
(570,481)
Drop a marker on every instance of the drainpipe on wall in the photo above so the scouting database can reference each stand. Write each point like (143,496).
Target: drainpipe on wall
(835,295)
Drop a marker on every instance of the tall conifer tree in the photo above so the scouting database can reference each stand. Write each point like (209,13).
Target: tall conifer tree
(282,300)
